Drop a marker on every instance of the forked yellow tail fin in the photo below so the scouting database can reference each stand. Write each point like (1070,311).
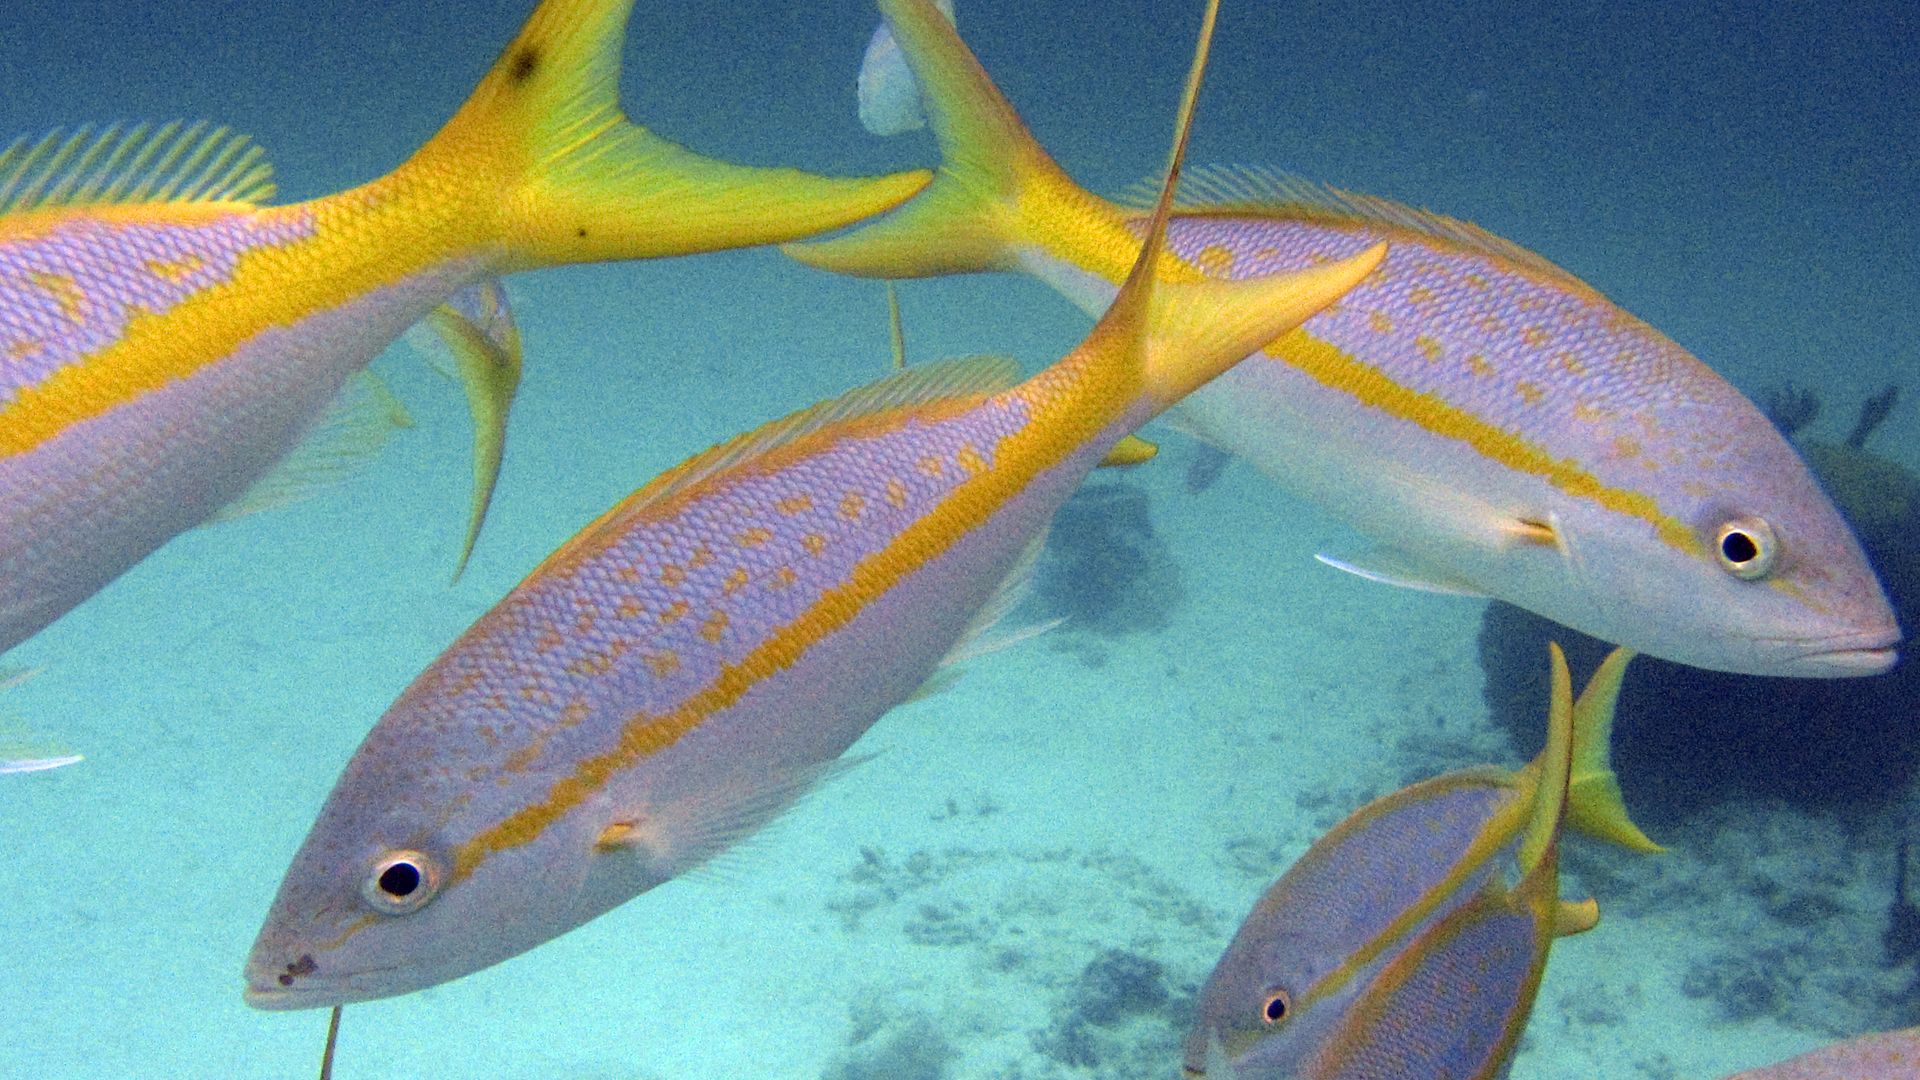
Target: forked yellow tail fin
(579,183)
(1179,335)
(1595,805)
(995,185)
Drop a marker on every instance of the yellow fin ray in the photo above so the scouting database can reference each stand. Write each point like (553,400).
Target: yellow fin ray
(1595,805)
(1128,452)
(969,218)
(477,327)
(174,162)
(347,439)
(585,184)
(1264,191)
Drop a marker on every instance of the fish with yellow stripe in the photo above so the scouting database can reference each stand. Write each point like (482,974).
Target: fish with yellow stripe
(686,666)
(1493,424)
(166,337)
(1396,946)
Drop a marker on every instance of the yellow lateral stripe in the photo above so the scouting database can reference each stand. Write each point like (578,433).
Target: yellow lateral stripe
(392,238)
(1502,825)
(1339,370)
(1021,456)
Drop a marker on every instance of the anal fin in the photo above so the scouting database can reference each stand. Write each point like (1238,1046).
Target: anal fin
(477,326)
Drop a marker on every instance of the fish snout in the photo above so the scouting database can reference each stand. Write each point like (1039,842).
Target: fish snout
(1848,656)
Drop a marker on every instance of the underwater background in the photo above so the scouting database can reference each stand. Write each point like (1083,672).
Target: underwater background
(1038,867)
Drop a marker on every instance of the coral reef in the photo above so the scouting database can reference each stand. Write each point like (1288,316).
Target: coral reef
(1106,571)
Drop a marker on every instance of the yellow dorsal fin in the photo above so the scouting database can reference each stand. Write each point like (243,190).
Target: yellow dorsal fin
(1595,805)
(970,377)
(175,162)
(1256,190)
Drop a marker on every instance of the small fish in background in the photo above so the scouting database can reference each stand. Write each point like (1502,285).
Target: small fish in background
(21,752)
(1493,424)
(166,337)
(1395,946)
(1890,1055)
(888,95)
(693,662)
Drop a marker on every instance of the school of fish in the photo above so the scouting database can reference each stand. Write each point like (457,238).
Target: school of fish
(175,351)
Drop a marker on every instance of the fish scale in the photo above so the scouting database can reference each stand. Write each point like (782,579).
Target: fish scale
(166,339)
(435,855)
(1491,425)
(698,600)
(1547,362)
(116,272)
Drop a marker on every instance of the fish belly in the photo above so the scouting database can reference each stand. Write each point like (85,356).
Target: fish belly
(81,508)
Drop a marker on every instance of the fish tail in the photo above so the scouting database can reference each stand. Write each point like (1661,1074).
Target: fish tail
(1595,805)
(996,190)
(1177,335)
(570,179)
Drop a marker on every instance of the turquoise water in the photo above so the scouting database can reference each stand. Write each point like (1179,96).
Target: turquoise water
(1743,181)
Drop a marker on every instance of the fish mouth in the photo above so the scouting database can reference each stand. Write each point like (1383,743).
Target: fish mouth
(1848,656)
(266,993)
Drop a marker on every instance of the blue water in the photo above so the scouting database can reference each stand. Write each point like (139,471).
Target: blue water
(1742,179)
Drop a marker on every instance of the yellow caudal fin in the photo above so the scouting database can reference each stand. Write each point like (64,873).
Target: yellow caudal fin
(576,182)
(1175,336)
(996,191)
(1595,805)
(1539,845)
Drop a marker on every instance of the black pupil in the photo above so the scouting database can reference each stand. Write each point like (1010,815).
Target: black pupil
(400,879)
(1276,1007)
(1739,548)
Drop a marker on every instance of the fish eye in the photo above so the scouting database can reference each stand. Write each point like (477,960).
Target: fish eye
(1276,1006)
(401,883)
(1746,548)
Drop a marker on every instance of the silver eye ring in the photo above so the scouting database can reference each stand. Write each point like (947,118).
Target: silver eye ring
(401,882)
(1746,547)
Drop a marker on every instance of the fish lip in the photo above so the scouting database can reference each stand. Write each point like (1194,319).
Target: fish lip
(268,996)
(1872,652)
(1870,660)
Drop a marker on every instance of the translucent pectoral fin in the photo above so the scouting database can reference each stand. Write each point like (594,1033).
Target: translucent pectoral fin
(1389,567)
(693,831)
(342,445)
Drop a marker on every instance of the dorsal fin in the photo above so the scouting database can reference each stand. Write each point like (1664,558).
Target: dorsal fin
(1258,190)
(175,162)
(965,377)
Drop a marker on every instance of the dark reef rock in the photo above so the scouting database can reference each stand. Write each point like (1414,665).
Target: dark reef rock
(1687,738)
(911,1047)
(1096,1029)
(1105,570)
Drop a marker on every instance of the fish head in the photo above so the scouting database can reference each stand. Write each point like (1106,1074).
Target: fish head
(1293,973)
(417,872)
(1717,548)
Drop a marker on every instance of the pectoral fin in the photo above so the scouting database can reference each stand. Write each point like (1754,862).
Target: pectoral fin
(1389,567)
(345,441)
(692,831)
